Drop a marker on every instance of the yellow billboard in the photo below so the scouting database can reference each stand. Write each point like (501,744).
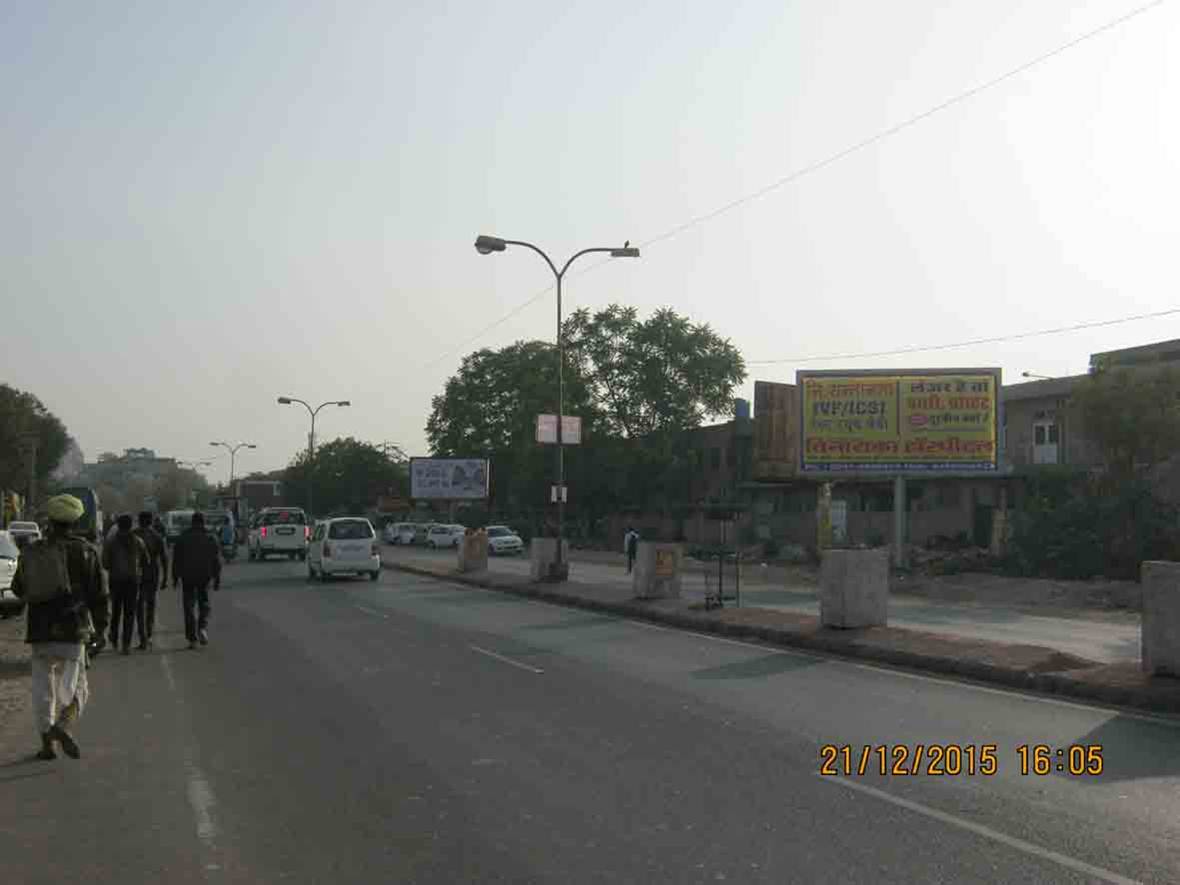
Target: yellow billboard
(899,421)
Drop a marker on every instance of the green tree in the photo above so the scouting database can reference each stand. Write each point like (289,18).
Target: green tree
(28,430)
(489,410)
(653,380)
(347,475)
(662,374)
(1133,417)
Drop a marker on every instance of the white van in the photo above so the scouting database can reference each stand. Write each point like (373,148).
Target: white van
(346,545)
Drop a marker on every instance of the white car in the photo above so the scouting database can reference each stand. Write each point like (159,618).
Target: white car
(281,531)
(399,533)
(24,532)
(445,536)
(503,541)
(344,545)
(9,556)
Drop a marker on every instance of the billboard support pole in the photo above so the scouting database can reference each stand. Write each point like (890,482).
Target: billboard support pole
(899,521)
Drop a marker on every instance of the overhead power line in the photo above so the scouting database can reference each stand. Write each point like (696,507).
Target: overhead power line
(924,348)
(818,165)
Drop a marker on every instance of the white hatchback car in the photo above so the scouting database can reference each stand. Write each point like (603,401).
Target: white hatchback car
(445,536)
(399,533)
(503,541)
(24,532)
(344,545)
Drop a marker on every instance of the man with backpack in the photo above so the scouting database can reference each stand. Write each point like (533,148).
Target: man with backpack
(196,560)
(125,558)
(60,580)
(154,577)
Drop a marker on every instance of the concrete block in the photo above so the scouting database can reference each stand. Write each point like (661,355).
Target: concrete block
(656,574)
(854,588)
(543,553)
(473,552)
(1160,631)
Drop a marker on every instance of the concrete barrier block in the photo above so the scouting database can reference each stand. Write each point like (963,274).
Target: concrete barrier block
(473,552)
(1160,631)
(543,555)
(656,574)
(854,588)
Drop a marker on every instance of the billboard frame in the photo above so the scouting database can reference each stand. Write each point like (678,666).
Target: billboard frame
(860,473)
(487,479)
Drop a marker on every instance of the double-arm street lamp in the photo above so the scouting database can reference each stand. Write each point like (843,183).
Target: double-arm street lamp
(286,401)
(486,245)
(233,450)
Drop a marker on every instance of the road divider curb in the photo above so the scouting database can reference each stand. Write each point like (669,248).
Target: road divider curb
(1036,669)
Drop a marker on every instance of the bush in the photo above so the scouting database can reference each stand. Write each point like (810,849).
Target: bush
(1086,531)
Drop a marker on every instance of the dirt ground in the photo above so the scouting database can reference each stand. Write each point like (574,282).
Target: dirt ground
(1098,594)
(15,725)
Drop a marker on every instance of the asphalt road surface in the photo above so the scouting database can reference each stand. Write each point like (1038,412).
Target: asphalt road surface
(415,731)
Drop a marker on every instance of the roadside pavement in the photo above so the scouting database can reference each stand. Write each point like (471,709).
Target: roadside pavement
(1086,655)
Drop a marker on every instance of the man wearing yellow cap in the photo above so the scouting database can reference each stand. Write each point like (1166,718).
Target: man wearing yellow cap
(60,579)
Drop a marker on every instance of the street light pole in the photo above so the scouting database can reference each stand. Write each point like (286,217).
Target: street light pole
(233,450)
(486,245)
(286,401)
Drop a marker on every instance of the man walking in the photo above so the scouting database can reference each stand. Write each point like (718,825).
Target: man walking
(60,579)
(631,546)
(154,577)
(195,562)
(125,558)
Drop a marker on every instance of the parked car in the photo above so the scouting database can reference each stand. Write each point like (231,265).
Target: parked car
(24,532)
(445,536)
(282,531)
(343,545)
(9,557)
(400,533)
(503,541)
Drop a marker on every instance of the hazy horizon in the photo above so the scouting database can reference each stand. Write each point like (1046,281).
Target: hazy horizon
(207,208)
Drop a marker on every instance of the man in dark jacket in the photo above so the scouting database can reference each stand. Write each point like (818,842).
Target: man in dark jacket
(125,558)
(61,623)
(154,577)
(196,560)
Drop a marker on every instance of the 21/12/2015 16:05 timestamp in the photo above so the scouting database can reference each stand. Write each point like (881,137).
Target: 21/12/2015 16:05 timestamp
(956,760)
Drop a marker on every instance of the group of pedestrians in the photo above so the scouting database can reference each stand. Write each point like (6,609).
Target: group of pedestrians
(70,604)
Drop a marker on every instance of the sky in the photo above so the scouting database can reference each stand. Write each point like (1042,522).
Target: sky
(206,206)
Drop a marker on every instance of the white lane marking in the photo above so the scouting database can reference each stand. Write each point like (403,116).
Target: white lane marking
(372,611)
(200,794)
(1031,696)
(200,797)
(492,654)
(1070,863)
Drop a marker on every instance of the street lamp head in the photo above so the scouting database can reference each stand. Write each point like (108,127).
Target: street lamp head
(214,443)
(251,446)
(344,402)
(486,245)
(284,400)
(625,252)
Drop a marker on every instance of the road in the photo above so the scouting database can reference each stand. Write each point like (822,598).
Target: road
(414,731)
(1106,637)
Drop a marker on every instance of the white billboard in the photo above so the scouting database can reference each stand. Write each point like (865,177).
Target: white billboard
(571,429)
(449,478)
